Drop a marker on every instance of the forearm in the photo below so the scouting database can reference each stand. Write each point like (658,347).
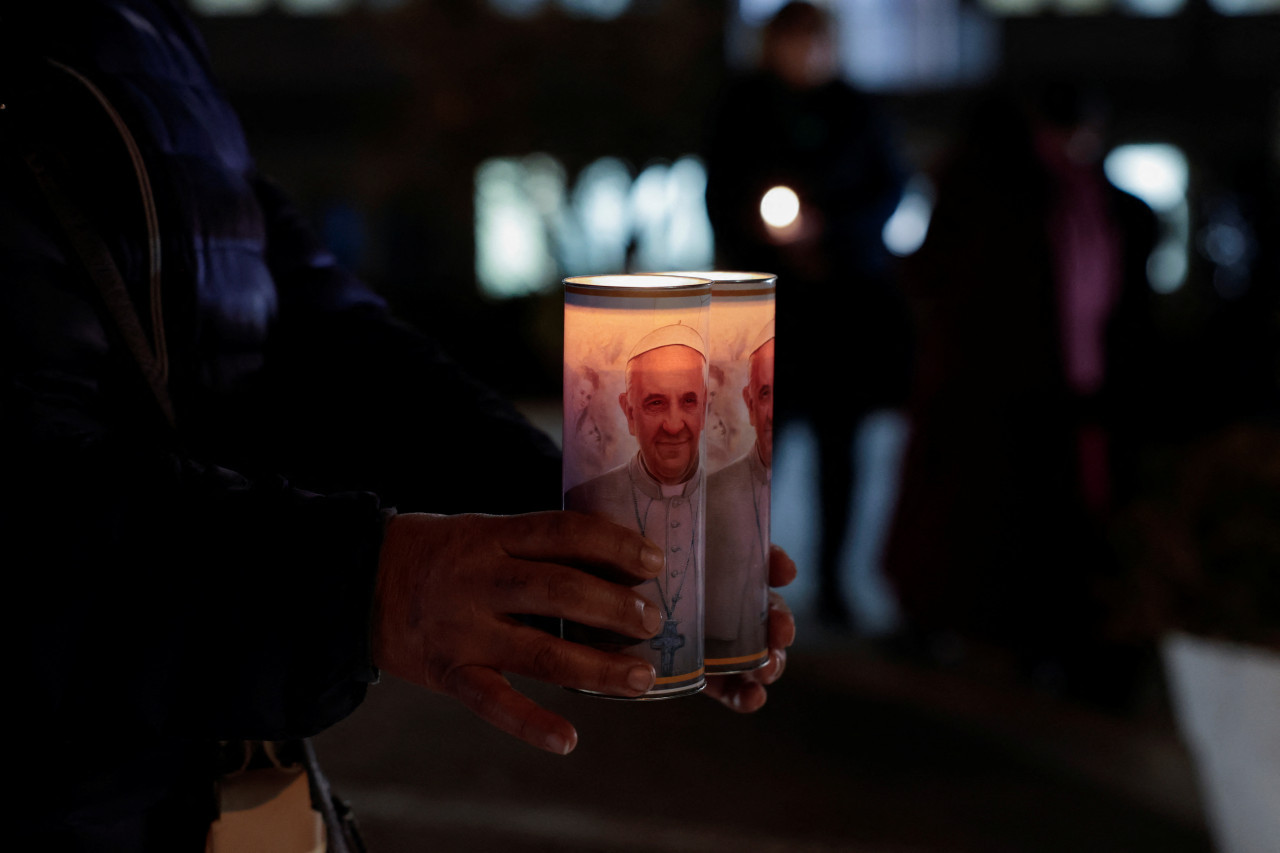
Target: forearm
(165,596)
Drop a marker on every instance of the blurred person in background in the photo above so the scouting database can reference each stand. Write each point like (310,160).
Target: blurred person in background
(794,123)
(236,487)
(1033,323)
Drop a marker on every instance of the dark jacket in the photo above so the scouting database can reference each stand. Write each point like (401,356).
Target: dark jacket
(170,588)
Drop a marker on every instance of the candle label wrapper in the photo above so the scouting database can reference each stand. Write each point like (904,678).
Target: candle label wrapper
(635,403)
(739,471)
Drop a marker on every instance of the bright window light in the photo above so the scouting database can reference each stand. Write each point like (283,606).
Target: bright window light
(756,12)
(905,231)
(512,256)
(532,229)
(601,208)
(1244,7)
(689,242)
(1158,174)
(669,217)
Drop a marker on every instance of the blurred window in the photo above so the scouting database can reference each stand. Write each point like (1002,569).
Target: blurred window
(906,229)
(891,45)
(602,10)
(1244,7)
(532,228)
(1158,173)
(1143,8)
(756,12)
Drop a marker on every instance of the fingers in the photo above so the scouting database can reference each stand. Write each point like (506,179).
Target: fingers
(492,698)
(548,590)
(772,670)
(782,624)
(577,539)
(782,569)
(737,692)
(537,655)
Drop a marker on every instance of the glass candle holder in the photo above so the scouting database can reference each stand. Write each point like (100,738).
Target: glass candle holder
(739,465)
(635,403)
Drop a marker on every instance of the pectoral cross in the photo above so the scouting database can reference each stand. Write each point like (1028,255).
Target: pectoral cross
(668,642)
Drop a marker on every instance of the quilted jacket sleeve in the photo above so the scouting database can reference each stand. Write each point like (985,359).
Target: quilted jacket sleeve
(370,402)
(158,591)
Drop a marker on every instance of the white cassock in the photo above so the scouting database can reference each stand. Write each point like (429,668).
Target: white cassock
(672,517)
(737,590)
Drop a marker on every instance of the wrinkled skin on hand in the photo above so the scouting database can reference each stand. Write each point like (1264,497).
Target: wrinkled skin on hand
(450,589)
(745,691)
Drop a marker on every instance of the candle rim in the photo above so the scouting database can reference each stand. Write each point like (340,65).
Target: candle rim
(610,282)
(726,276)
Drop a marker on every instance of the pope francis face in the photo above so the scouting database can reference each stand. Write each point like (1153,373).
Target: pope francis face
(665,404)
(759,398)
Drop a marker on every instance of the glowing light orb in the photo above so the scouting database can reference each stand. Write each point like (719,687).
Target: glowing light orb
(780,207)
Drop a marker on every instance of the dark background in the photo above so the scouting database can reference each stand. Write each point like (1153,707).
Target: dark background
(387,115)
(391,113)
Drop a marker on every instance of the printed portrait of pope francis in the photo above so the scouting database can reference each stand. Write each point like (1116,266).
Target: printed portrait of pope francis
(737,553)
(659,491)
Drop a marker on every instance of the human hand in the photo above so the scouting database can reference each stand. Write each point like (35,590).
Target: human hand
(745,691)
(449,588)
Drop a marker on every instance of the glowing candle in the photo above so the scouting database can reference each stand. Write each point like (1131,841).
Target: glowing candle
(780,207)
(635,400)
(739,465)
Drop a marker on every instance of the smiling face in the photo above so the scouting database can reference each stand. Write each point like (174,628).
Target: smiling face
(665,404)
(759,399)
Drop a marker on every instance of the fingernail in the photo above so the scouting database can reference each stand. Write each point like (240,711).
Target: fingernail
(779,663)
(559,744)
(640,678)
(650,616)
(652,558)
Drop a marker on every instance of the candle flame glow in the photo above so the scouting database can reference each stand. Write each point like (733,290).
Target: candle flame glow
(779,207)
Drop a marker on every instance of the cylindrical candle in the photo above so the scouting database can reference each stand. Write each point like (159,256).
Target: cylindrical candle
(739,469)
(635,402)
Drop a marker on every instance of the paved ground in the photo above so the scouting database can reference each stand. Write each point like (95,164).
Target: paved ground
(855,751)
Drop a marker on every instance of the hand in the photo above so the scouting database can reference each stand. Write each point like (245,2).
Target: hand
(745,692)
(449,588)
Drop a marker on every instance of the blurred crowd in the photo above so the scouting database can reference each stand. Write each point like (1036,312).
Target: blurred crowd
(1048,510)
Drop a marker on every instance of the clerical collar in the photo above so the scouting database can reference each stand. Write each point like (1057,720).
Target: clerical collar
(649,484)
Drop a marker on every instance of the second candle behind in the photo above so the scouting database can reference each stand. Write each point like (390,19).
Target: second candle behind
(739,469)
